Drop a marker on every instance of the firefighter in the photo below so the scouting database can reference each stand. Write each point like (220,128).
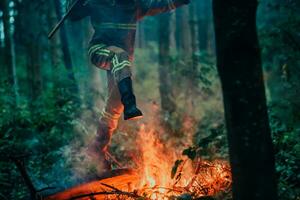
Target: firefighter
(111,48)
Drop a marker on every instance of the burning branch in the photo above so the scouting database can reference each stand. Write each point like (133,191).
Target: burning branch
(114,191)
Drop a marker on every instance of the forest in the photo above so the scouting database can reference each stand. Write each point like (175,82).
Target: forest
(218,84)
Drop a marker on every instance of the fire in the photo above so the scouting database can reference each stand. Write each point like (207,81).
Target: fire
(155,165)
(200,177)
(157,177)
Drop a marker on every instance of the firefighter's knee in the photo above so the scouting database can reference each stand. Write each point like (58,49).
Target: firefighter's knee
(100,56)
(121,65)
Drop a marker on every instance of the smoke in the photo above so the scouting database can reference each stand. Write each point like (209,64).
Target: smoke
(74,166)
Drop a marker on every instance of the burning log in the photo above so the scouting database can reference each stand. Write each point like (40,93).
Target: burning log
(122,179)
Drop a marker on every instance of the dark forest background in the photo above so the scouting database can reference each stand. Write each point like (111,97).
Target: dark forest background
(51,96)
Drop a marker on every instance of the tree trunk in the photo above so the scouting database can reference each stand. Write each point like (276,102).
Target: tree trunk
(1,43)
(210,29)
(140,37)
(32,39)
(9,57)
(54,50)
(34,70)
(194,46)
(239,66)
(194,34)
(65,48)
(184,33)
(165,85)
(203,25)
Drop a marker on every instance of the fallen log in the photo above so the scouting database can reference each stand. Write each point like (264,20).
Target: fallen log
(122,179)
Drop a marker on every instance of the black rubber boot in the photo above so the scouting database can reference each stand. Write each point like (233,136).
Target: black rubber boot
(128,100)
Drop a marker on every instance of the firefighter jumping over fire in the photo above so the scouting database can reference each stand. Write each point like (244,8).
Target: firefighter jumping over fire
(111,49)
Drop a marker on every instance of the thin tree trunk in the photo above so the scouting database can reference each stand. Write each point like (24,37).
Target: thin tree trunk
(65,48)
(10,60)
(194,40)
(140,35)
(240,70)
(34,70)
(2,45)
(184,33)
(203,23)
(165,87)
(54,44)
(32,39)
(173,47)
(211,43)
(1,36)
(194,31)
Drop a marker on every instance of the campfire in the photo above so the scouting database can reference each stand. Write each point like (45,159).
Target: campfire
(163,173)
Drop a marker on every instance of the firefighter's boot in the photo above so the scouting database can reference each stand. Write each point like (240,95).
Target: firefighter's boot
(128,100)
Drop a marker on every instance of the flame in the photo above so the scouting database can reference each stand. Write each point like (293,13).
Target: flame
(155,168)
(200,177)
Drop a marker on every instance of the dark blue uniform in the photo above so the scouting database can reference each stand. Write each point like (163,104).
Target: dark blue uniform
(115,21)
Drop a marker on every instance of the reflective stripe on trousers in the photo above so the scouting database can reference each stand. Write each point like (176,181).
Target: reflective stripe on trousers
(118,66)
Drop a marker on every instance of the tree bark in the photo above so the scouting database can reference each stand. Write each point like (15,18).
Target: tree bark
(165,83)
(240,70)
(194,34)
(65,49)
(54,50)
(184,33)
(140,37)
(9,52)
(1,42)
(203,25)
(32,33)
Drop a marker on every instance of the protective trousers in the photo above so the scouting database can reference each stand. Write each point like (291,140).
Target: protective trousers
(117,63)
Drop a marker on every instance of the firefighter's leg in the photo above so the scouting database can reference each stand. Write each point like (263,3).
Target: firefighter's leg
(121,70)
(108,122)
(116,62)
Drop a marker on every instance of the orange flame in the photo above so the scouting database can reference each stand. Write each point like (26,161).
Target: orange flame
(201,178)
(155,166)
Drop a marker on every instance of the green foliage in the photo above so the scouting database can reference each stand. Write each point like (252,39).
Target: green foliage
(278,25)
(190,152)
(36,131)
(287,149)
(199,69)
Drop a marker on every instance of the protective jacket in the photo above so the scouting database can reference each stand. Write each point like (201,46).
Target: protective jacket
(115,21)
